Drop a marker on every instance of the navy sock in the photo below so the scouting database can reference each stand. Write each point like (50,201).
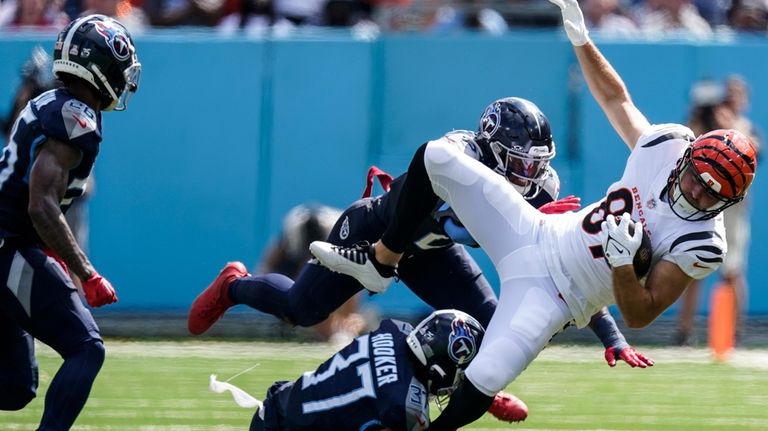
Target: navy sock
(71,386)
(267,293)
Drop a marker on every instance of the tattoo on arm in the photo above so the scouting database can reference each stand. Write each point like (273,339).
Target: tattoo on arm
(47,185)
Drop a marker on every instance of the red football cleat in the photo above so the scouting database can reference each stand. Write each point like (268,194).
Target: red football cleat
(211,304)
(509,408)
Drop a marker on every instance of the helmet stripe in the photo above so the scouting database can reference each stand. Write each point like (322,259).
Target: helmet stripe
(728,170)
(70,34)
(750,161)
(747,159)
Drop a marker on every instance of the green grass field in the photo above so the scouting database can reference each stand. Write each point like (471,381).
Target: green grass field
(150,386)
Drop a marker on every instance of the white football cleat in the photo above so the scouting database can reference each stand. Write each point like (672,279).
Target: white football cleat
(355,261)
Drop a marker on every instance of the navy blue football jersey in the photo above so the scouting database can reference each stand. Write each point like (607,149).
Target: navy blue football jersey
(368,385)
(57,115)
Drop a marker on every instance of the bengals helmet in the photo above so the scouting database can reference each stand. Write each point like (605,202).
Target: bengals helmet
(723,161)
(99,50)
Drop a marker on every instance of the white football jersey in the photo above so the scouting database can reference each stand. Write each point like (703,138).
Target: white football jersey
(576,257)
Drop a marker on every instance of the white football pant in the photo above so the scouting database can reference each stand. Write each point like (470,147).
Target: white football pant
(530,310)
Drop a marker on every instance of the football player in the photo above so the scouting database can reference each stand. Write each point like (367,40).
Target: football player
(514,137)
(36,78)
(562,268)
(381,381)
(43,168)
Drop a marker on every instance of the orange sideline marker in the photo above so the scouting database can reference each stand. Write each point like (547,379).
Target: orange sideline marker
(722,321)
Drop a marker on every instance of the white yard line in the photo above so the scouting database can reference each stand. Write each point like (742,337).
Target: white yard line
(748,358)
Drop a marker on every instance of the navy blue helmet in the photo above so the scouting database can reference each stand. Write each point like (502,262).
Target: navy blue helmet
(445,343)
(516,141)
(99,50)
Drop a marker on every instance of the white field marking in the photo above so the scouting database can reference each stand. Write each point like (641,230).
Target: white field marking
(742,358)
(209,349)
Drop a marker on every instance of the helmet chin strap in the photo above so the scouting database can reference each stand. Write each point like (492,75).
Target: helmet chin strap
(681,204)
(105,83)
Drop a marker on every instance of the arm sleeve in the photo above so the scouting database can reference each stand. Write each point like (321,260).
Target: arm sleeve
(604,326)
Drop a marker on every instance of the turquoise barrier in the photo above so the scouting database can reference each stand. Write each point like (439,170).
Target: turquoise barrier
(227,133)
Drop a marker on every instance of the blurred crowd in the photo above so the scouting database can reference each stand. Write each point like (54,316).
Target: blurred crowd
(624,18)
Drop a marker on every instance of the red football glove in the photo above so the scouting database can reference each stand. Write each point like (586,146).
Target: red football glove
(99,291)
(568,203)
(628,354)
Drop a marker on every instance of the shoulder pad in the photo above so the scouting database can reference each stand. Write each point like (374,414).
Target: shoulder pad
(464,140)
(698,254)
(68,120)
(79,119)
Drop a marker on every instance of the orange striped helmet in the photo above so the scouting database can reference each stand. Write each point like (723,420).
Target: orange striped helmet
(724,162)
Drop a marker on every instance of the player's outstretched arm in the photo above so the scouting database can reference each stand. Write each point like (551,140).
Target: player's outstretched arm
(604,82)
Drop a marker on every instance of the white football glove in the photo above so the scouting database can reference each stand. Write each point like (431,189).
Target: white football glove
(618,245)
(573,21)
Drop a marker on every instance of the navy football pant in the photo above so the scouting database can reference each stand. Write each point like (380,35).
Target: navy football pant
(442,277)
(37,300)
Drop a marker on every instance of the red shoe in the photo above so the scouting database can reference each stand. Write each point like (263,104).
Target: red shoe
(211,304)
(509,408)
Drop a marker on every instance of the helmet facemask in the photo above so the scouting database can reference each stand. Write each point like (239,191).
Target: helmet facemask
(132,75)
(524,170)
(722,163)
(442,386)
(686,209)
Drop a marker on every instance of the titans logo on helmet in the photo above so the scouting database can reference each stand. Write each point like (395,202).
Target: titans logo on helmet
(461,342)
(489,123)
(116,38)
